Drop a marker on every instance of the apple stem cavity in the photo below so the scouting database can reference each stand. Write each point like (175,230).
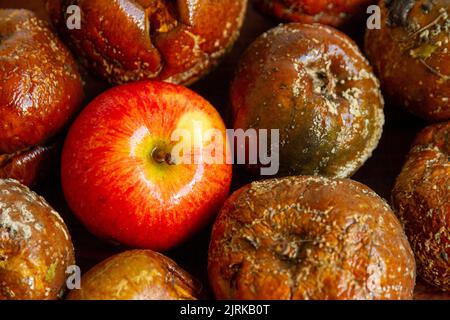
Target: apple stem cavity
(161,156)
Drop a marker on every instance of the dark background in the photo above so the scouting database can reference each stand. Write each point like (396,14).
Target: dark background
(379,172)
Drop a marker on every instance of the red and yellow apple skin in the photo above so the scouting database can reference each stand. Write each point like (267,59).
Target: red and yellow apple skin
(117,176)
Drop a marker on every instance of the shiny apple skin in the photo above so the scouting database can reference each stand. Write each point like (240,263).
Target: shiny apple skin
(30,166)
(114,186)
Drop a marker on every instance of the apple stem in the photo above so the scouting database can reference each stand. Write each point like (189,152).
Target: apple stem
(162,156)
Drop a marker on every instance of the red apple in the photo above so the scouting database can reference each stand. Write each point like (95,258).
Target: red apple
(122,177)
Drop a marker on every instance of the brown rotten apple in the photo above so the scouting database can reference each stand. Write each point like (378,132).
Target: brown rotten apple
(312,83)
(332,12)
(137,275)
(421,199)
(134,166)
(309,238)
(177,41)
(40,89)
(411,54)
(35,246)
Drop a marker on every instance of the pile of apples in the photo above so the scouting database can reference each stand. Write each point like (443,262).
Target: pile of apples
(133,167)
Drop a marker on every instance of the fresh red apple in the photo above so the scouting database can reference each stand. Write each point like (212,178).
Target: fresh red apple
(122,176)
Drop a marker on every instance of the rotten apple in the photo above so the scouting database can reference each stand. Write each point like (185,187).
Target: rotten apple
(312,83)
(35,246)
(309,238)
(29,166)
(125,175)
(128,40)
(40,91)
(332,12)
(421,199)
(140,275)
(411,53)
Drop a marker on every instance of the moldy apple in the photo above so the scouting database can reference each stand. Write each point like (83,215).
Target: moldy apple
(421,199)
(411,54)
(176,41)
(309,238)
(35,246)
(313,84)
(40,90)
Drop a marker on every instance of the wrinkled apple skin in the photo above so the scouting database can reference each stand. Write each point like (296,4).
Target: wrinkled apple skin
(175,41)
(309,238)
(40,86)
(29,166)
(40,92)
(421,199)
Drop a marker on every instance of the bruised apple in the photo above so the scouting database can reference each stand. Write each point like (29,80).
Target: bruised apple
(145,164)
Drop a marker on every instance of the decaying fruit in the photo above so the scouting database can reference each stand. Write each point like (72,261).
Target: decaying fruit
(40,90)
(137,275)
(410,54)
(176,41)
(422,201)
(29,166)
(312,83)
(309,238)
(35,246)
